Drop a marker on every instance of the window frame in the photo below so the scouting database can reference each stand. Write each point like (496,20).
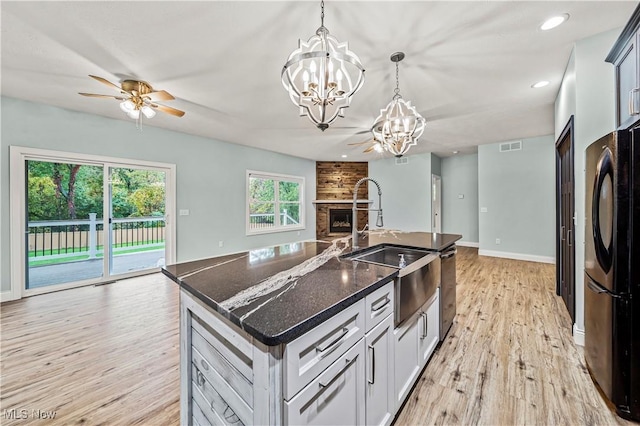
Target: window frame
(276,177)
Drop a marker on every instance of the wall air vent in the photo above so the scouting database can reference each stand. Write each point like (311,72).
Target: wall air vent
(511,146)
(402,160)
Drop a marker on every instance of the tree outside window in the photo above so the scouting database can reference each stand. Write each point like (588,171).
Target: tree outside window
(274,202)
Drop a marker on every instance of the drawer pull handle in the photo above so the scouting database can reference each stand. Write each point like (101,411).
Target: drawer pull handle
(424,325)
(633,102)
(324,347)
(204,364)
(200,379)
(381,307)
(372,371)
(328,382)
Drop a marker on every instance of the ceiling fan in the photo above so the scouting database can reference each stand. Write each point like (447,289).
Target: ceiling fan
(375,145)
(137,97)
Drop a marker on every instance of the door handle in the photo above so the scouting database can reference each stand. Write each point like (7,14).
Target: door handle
(372,369)
(562,233)
(569,237)
(633,102)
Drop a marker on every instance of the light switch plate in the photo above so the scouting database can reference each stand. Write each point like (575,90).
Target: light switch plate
(483,210)
(461,196)
(184,212)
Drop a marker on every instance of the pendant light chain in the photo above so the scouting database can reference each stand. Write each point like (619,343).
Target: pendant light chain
(322,13)
(397,89)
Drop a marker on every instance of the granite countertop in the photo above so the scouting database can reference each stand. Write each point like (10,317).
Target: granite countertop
(278,293)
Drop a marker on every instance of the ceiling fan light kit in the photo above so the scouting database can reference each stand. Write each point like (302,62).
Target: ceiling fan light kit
(399,125)
(138,99)
(321,76)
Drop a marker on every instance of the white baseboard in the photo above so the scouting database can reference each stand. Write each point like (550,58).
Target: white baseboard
(6,296)
(578,335)
(467,244)
(517,256)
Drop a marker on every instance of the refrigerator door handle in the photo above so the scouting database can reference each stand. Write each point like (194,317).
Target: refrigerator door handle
(600,290)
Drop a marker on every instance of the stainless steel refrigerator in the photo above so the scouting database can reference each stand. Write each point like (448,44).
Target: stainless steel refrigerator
(612,269)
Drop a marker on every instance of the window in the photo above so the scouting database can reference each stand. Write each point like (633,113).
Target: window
(274,202)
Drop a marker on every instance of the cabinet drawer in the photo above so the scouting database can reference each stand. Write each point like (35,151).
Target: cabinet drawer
(220,405)
(378,305)
(310,354)
(205,340)
(336,397)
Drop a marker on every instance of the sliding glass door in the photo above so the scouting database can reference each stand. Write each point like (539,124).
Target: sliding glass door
(87,221)
(137,219)
(64,205)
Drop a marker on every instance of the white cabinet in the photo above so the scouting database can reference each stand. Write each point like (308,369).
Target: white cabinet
(310,354)
(380,402)
(429,330)
(415,340)
(354,368)
(406,358)
(335,397)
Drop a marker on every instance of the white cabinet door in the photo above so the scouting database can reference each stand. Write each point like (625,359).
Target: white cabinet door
(335,397)
(380,402)
(429,328)
(406,366)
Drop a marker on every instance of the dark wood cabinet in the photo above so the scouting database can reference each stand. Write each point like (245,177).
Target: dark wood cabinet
(625,56)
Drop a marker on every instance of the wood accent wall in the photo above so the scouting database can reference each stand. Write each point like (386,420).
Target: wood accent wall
(335,181)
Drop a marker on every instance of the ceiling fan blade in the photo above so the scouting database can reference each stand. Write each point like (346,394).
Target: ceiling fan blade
(94,95)
(359,143)
(107,82)
(368,150)
(168,110)
(160,95)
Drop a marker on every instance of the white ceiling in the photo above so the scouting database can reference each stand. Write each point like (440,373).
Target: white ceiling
(468,67)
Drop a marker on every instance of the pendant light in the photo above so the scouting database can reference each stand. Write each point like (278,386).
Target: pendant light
(399,125)
(321,76)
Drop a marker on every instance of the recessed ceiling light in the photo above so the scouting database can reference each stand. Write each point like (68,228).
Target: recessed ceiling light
(455,152)
(540,84)
(344,155)
(554,21)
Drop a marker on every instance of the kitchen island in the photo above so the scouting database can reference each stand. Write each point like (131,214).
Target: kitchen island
(299,333)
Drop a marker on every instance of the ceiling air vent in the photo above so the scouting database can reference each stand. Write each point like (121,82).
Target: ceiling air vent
(511,146)
(402,160)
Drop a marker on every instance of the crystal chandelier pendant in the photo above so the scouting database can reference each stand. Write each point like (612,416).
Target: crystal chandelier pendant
(321,76)
(399,125)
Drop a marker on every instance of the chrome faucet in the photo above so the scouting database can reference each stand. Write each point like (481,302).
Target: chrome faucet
(355,233)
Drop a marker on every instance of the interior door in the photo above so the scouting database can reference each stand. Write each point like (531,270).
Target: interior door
(565,223)
(436,204)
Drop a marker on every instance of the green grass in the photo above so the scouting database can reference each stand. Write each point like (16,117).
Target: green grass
(85,256)
(81,250)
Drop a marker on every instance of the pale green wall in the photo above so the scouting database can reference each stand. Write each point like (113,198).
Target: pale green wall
(210,174)
(460,215)
(406,192)
(517,188)
(436,165)
(588,92)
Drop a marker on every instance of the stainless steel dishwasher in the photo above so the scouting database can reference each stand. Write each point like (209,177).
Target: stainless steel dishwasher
(447,289)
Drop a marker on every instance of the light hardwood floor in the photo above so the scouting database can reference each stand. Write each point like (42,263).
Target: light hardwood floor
(109,355)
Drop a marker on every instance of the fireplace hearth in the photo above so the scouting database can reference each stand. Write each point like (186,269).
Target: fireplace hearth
(340,221)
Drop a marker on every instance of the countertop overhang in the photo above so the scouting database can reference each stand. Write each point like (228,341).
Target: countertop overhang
(278,293)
